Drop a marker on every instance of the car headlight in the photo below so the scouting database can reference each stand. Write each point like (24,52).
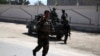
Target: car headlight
(34,26)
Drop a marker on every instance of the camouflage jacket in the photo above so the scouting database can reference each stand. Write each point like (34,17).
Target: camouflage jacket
(45,26)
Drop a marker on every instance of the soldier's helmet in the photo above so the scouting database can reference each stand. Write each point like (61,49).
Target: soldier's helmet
(54,9)
(63,11)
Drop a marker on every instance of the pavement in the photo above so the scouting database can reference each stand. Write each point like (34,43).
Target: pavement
(13,47)
(15,42)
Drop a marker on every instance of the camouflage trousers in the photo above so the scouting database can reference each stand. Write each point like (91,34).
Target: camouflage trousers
(43,41)
(65,35)
(66,38)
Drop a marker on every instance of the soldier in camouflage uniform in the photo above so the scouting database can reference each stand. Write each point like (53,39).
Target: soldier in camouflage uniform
(44,28)
(54,16)
(66,26)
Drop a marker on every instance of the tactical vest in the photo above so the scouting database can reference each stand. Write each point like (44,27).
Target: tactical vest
(45,27)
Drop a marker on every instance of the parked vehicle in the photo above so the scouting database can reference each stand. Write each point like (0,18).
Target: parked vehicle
(33,28)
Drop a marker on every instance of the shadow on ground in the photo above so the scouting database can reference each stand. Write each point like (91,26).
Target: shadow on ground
(91,32)
(51,38)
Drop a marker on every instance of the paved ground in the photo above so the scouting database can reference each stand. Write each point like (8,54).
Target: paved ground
(14,39)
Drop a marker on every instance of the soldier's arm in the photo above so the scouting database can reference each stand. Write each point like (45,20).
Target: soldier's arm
(69,30)
(66,15)
(40,24)
(56,15)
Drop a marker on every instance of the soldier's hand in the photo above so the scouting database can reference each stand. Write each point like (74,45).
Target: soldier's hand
(69,36)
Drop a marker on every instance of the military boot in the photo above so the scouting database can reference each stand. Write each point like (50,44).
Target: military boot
(34,53)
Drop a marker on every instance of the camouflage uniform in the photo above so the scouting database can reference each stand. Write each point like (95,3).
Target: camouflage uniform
(44,28)
(66,26)
(54,16)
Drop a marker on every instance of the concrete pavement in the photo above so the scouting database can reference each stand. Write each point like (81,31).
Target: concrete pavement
(15,47)
(15,42)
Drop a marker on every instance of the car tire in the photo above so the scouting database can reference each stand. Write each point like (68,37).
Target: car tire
(29,31)
(59,36)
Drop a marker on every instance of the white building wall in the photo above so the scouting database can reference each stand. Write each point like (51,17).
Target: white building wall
(79,16)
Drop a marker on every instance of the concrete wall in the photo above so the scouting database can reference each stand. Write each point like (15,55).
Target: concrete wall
(83,17)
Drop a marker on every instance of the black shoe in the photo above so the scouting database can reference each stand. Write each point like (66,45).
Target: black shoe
(43,55)
(34,53)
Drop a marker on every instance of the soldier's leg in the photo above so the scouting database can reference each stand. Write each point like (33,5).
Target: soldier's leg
(45,50)
(40,44)
(45,45)
(66,38)
(36,49)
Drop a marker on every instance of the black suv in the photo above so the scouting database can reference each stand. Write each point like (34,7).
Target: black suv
(32,27)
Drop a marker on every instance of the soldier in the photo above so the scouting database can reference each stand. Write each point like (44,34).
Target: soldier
(44,27)
(54,16)
(66,26)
